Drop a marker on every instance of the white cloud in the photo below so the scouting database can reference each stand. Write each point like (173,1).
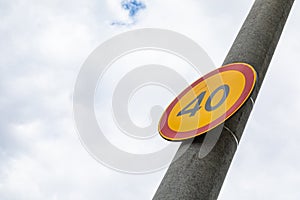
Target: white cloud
(43,46)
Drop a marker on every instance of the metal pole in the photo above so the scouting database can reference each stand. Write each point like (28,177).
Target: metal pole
(191,177)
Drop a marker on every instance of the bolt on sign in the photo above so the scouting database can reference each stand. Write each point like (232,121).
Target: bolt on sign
(208,102)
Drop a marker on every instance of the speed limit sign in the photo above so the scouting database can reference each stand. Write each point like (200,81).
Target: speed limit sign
(208,102)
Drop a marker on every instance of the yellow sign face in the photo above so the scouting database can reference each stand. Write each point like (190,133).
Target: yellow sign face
(208,102)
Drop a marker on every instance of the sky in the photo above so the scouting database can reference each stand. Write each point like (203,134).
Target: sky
(43,47)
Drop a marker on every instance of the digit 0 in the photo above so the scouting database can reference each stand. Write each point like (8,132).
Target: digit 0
(208,105)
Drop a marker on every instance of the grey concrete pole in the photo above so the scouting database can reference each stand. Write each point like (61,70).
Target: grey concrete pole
(191,177)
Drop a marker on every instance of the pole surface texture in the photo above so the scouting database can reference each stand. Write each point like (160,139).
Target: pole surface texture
(191,177)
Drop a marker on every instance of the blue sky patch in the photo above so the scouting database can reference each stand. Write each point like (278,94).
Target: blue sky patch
(133,7)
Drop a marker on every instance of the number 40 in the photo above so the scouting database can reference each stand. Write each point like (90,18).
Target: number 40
(208,106)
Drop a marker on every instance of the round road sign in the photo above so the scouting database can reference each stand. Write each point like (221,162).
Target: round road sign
(208,102)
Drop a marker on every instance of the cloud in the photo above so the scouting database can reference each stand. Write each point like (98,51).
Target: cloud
(43,46)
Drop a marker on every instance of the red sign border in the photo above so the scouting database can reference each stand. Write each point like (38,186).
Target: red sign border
(250,75)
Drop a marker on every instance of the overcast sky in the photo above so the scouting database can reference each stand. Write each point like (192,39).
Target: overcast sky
(43,46)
